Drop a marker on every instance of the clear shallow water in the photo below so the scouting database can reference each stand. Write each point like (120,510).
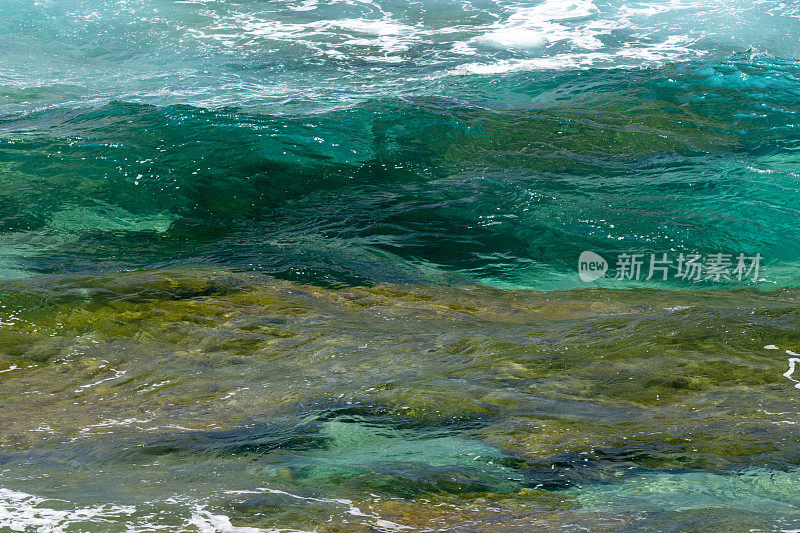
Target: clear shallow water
(336,211)
(190,398)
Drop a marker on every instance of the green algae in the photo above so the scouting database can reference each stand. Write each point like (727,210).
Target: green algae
(555,391)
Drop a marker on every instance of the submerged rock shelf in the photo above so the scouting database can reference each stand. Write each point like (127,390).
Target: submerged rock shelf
(273,402)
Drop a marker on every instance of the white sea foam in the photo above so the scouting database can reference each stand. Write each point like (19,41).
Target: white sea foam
(20,511)
(252,54)
(352,509)
(207,522)
(542,24)
(792,362)
(117,374)
(575,35)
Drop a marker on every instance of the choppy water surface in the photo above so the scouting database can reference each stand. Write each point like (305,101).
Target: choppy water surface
(312,265)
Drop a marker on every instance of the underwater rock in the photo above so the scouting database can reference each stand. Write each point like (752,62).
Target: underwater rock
(518,401)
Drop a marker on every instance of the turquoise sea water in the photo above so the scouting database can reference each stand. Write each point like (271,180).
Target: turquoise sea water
(299,265)
(349,142)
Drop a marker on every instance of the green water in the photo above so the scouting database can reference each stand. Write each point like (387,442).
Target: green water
(506,191)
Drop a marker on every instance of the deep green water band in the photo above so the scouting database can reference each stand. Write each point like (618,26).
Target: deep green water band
(502,187)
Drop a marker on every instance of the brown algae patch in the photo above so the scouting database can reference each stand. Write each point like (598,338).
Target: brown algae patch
(430,351)
(566,388)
